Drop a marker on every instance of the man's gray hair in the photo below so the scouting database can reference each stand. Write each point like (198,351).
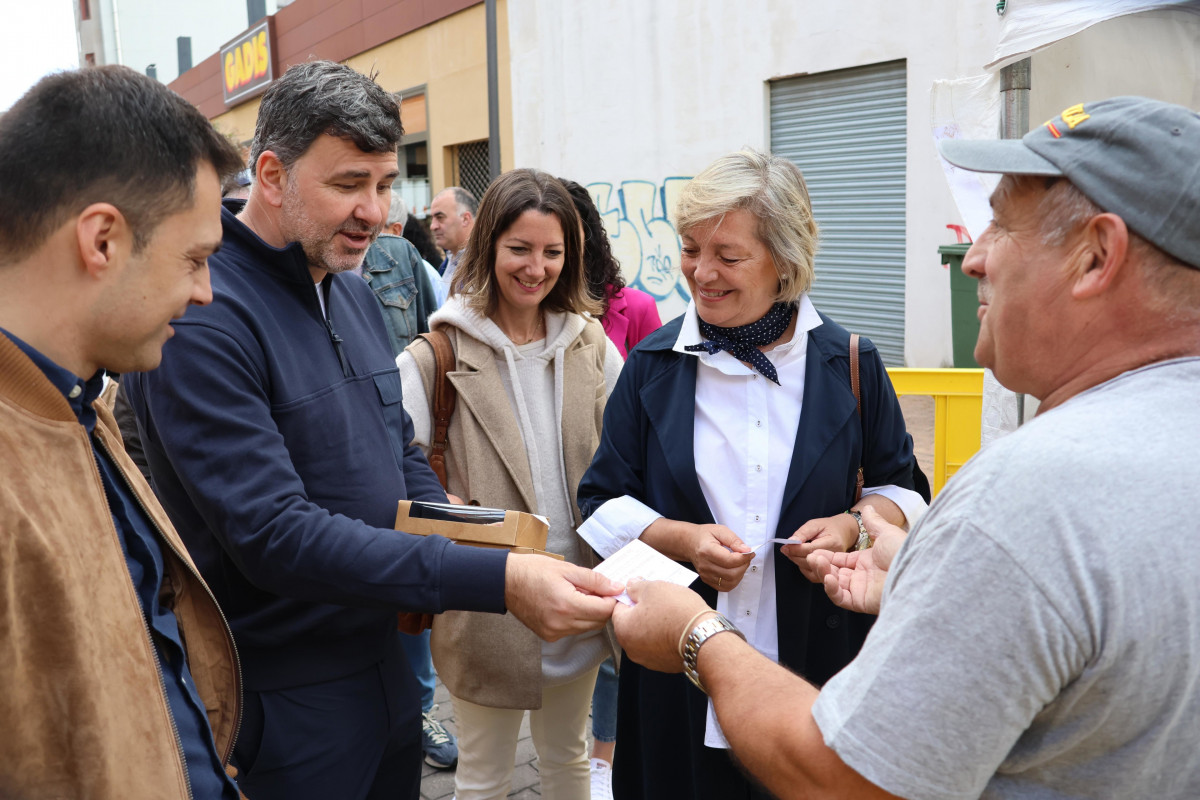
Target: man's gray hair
(398,210)
(463,199)
(324,97)
(1063,209)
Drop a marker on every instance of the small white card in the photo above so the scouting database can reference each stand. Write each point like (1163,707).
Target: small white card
(779,541)
(639,560)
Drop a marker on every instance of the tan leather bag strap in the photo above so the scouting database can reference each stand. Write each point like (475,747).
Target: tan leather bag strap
(414,622)
(444,397)
(856,387)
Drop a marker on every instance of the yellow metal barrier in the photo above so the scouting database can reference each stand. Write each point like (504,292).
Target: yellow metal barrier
(958,408)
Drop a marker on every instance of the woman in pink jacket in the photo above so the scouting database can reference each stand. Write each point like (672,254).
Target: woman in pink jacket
(629,314)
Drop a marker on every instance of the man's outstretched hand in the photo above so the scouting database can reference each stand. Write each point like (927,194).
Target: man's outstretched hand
(855,580)
(836,534)
(650,630)
(556,599)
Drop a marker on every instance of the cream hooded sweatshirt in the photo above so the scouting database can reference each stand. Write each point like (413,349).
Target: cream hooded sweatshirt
(532,376)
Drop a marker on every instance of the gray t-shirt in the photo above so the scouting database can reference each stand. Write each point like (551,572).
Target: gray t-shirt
(1040,633)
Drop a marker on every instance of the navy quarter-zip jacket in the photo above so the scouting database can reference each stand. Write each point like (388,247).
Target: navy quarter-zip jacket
(279,447)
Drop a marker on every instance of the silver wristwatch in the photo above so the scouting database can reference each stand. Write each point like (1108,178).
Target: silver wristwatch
(864,538)
(699,635)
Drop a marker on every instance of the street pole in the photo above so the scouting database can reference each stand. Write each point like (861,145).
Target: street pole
(1014,123)
(493,79)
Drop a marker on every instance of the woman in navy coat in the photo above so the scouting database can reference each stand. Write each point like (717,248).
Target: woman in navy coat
(732,425)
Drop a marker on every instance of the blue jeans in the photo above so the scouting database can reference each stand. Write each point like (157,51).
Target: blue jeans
(416,650)
(604,703)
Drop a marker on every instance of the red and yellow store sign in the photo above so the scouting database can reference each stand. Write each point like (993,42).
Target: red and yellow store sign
(247,63)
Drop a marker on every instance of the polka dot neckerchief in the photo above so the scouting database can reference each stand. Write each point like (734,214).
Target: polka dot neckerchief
(743,341)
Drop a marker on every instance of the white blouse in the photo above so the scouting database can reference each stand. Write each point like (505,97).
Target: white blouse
(738,414)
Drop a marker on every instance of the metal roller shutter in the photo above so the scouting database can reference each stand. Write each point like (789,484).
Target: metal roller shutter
(846,132)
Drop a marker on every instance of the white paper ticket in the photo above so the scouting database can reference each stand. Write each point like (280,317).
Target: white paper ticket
(779,541)
(639,560)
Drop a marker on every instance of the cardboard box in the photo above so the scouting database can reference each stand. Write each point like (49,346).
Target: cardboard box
(519,532)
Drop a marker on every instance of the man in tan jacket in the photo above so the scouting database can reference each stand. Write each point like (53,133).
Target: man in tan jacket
(119,674)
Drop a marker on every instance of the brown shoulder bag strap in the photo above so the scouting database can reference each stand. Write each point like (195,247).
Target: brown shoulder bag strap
(856,388)
(444,397)
(414,622)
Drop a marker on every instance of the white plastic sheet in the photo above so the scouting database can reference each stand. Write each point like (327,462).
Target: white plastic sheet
(999,415)
(967,108)
(1030,25)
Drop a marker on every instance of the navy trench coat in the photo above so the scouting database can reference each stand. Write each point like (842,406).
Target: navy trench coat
(646,451)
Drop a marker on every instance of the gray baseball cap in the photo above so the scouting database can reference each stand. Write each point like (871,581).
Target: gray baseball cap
(1132,156)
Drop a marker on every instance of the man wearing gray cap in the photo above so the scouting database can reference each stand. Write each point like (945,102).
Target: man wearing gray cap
(1037,632)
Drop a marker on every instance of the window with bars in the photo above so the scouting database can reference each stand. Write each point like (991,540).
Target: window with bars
(473,173)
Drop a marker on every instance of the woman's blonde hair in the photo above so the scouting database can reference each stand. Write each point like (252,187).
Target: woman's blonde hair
(510,196)
(773,190)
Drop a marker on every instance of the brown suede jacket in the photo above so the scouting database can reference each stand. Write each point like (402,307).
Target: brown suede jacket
(82,708)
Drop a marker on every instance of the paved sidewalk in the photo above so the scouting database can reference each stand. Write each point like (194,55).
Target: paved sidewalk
(439,785)
(918,416)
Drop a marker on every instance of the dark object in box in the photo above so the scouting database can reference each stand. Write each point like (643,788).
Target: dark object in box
(516,531)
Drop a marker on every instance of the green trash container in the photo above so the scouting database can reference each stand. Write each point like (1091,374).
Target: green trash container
(964,305)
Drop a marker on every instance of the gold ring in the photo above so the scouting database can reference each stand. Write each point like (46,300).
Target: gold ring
(719,582)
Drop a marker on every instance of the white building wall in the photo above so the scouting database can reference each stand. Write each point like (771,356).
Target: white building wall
(138,33)
(648,90)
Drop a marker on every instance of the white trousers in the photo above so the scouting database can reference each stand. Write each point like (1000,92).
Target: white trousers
(487,744)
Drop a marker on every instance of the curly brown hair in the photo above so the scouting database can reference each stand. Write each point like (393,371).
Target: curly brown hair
(600,266)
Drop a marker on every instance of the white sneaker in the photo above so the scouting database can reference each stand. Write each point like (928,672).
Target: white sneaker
(601,779)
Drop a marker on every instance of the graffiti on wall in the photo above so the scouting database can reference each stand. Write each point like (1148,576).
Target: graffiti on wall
(644,239)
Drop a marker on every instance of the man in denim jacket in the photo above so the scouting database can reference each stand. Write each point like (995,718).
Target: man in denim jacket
(397,275)
(400,279)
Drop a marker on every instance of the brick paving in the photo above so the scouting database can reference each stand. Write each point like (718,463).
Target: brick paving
(918,416)
(439,784)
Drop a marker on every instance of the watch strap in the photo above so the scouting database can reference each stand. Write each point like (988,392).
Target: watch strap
(864,538)
(698,636)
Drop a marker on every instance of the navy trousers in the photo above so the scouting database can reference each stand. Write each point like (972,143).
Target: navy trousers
(354,738)
(660,743)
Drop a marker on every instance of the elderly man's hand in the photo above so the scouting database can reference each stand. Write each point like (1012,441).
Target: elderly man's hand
(836,534)
(855,580)
(556,599)
(650,631)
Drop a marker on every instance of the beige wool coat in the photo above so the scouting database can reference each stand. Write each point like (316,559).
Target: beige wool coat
(489,659)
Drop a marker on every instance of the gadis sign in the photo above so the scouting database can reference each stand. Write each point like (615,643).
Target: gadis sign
(247,63)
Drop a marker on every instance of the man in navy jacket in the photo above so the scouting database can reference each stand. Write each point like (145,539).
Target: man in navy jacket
(279,445)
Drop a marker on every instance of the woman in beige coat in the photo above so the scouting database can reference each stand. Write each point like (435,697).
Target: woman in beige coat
(532,373)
